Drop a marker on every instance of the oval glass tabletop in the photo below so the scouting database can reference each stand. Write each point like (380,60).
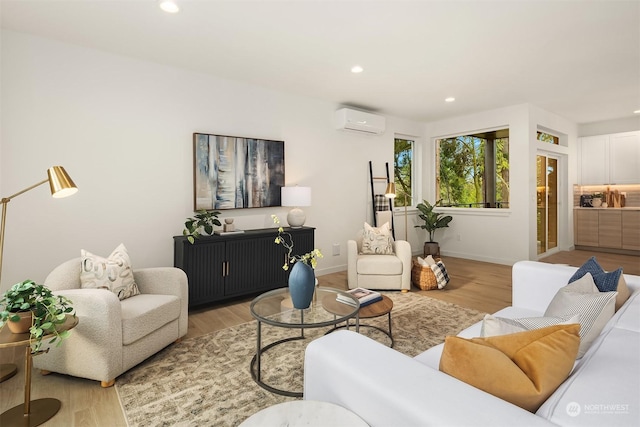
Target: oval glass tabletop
(275,308)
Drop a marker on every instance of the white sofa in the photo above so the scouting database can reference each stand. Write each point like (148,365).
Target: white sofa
(113,336)
(390,272)
(387,388)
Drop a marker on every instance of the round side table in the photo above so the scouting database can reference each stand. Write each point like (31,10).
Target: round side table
(31,412)
(377,309)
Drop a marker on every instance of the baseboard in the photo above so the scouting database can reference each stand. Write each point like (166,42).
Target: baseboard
(474,257)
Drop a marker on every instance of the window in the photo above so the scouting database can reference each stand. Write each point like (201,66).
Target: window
(546,137)
(472,171)
(403,171)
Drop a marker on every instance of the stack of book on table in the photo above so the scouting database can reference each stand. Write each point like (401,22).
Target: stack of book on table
(365,296)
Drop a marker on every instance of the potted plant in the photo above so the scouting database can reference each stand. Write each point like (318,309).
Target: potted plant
(43,310)
(596,200)
(202,223)
(432,221)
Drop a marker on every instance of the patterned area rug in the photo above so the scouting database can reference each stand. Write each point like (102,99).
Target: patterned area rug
(206,380)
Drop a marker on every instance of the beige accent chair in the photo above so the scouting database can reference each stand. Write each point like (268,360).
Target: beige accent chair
(382,272)
(113,336)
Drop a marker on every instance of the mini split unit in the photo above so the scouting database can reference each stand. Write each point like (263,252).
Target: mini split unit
(359,121)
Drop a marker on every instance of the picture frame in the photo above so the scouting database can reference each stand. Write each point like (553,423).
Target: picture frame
(237,172)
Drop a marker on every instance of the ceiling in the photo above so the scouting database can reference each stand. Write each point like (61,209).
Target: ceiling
(578,59)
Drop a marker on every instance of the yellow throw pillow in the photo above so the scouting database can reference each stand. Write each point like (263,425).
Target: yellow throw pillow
(524,368)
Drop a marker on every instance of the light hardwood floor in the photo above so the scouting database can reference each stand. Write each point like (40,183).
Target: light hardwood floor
(478,285)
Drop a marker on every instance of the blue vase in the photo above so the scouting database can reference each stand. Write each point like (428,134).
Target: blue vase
(302,283)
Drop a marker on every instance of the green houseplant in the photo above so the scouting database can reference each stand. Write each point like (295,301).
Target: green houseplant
(202,222)
(47,311)
(432,222)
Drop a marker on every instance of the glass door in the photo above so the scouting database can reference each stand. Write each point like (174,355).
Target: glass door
(547,202)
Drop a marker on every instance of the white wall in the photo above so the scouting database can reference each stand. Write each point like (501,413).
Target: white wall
(123,130)
(496,235)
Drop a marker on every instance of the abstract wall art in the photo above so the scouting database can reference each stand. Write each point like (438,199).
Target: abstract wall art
(234,172)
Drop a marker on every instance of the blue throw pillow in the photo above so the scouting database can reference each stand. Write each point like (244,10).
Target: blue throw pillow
(591,266)
(607,282)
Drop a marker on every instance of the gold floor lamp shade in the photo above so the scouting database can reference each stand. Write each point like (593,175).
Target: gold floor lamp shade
(61,185)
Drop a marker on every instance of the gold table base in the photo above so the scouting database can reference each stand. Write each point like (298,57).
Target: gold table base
(40,411)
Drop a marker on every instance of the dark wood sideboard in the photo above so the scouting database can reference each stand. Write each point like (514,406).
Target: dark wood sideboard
(234,265)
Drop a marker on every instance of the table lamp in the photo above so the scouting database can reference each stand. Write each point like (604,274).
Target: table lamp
(296,197)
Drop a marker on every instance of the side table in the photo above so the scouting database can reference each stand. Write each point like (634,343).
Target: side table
(31,412)
(304,413)
(377,309)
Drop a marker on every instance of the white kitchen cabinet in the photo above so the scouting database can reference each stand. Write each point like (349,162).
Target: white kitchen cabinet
(624,158)
(610,159)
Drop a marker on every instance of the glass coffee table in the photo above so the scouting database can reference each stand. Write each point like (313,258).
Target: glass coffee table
(272,308)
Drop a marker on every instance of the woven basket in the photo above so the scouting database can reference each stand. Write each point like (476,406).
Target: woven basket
(423,277)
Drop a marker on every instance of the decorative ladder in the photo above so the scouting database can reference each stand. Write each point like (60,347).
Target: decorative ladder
(373,195)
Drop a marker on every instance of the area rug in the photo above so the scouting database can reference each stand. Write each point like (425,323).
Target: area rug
(206,380)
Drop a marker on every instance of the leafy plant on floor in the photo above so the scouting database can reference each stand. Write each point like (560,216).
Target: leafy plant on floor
(432,220)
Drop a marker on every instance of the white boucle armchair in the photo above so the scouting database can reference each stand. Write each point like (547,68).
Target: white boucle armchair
(113,336)
(382,272)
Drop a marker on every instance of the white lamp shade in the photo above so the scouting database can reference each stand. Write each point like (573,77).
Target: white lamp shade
(296,196)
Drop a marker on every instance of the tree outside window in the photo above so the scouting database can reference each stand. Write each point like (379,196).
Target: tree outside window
(402,171)
(548,138)
(473,170)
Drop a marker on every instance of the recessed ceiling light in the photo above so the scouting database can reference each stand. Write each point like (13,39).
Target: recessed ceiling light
(636,112)
(169,6)
(357,69)
(449,99)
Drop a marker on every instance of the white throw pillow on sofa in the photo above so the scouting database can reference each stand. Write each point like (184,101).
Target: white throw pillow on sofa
(594,307)
(493,326)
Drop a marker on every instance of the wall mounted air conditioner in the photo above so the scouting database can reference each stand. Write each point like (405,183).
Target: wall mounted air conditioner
(359,121)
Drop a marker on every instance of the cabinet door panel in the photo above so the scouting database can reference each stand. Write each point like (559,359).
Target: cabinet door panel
(594,160)
(586,227)
(304,241)
(631,230)
(610,229)
(255,265)
(624,164)
(203,264)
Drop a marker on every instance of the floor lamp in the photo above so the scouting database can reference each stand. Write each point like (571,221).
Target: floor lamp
(390,193)
(61,185)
